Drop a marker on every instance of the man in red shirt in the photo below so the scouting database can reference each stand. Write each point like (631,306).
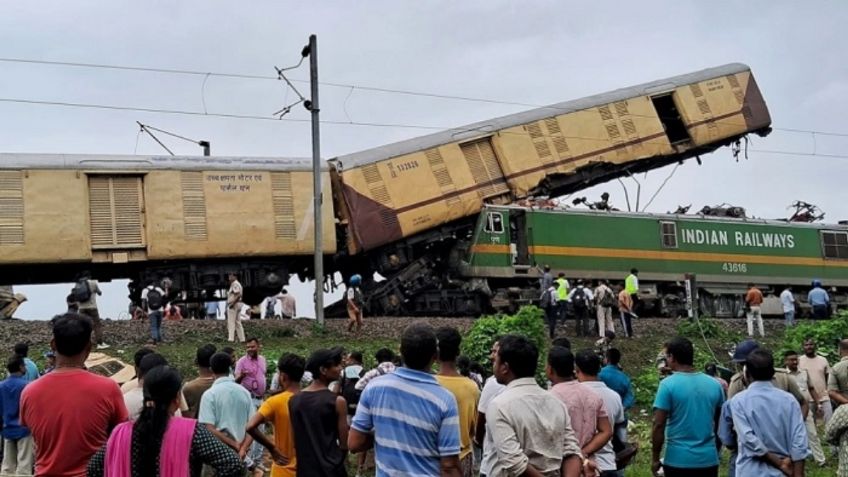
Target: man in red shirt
(70,411)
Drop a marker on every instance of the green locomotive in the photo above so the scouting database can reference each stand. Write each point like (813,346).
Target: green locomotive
(511,244)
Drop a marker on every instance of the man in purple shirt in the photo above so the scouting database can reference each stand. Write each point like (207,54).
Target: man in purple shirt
(250,373)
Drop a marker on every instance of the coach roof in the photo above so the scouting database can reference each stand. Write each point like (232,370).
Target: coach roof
(109,162)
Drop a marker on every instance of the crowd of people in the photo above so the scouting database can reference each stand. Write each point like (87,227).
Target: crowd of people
(583,302)
(322,407)
(412,420)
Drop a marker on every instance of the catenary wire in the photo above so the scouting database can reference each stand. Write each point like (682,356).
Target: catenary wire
(330,122)
(335,84)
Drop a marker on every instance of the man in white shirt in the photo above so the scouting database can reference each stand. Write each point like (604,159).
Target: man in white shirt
(530,428)
(154,298)
(588,365)
(787,299)
(482,439)
(234,304)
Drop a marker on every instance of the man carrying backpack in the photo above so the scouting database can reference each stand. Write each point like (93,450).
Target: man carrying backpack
(153,299)
(548,302)
(85,293)
(580,299)
(604,301)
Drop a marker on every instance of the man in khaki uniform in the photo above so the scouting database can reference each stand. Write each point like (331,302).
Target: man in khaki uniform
(234,296)
(781,380)
(837,381)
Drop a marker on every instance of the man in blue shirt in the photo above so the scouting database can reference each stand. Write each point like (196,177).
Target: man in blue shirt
(686,412)
(17,449)
(22,349)
(819,300)
(769,425)
(410,419)
(616,379)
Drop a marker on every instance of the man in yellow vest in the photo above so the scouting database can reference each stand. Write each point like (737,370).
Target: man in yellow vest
(631,286)
(562,295)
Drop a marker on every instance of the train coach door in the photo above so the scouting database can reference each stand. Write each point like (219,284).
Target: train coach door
(672,121)
(116,216)
(518,239)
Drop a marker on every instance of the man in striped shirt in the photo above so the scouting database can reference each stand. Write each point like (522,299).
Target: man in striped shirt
(410,420)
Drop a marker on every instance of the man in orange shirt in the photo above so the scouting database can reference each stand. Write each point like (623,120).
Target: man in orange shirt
(465,391)
(275,410)
(753,300)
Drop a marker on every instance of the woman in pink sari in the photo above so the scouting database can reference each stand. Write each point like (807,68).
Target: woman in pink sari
(159,444)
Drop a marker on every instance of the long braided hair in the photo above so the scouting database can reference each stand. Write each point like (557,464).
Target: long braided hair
(161,386)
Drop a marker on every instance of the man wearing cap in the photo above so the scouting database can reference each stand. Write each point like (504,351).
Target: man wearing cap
(781,380)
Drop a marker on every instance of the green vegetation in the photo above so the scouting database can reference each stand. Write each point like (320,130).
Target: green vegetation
(826,334)
(477,343)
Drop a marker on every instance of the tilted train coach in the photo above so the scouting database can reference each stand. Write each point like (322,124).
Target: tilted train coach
(398,209)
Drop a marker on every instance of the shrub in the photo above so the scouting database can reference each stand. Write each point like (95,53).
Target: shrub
(528,322)
(826,334)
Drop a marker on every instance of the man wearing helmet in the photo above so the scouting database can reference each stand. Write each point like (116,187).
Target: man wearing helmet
(354,303)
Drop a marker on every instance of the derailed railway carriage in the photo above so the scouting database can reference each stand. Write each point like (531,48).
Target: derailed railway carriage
(725,254)
(190,219)
(401,210)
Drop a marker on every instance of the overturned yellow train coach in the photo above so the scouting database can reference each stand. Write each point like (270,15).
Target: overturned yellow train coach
(108,213)
(396,191)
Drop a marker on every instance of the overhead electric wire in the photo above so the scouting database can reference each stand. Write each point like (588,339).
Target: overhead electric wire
(334,84)
(201,113)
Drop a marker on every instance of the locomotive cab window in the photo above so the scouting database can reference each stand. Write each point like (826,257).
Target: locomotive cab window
(835,245)
(668,233)
(494,223)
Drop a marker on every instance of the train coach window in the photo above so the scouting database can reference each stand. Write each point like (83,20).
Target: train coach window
(835,245)
(494,223)
(668,231)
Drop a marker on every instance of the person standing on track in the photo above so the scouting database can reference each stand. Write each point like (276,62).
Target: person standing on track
(631,284)
(604,301)
(85,293)
(580,298)
(754,299)
(355,302)
(153,299)
(625,310)
(234,303)
(819,300)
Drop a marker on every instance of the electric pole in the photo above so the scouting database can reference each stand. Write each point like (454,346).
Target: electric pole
(312,106)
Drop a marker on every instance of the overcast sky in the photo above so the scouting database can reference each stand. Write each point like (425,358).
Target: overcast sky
(530,52)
